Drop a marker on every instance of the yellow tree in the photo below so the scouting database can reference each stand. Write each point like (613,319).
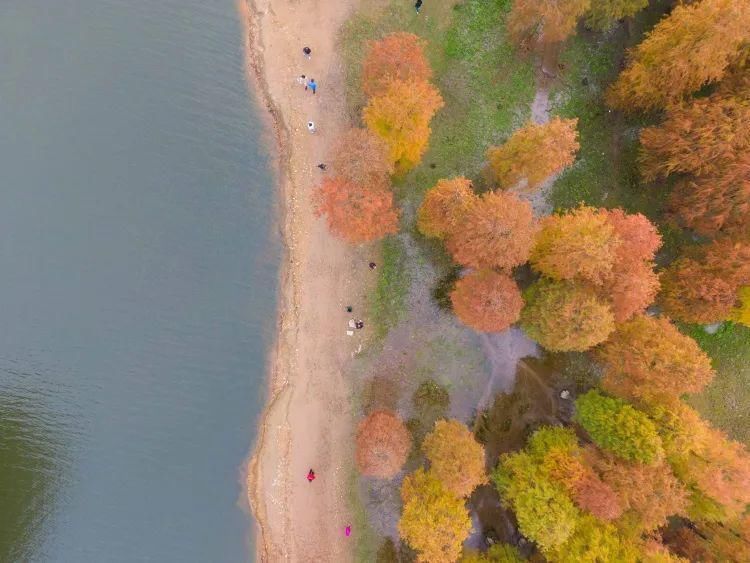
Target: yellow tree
(455,457)
(434,521)
(580,244)
(496,231)
(565,316)
(535,152)
(398,56)
(444,206)
(691,47)
(400,115)
(546,21)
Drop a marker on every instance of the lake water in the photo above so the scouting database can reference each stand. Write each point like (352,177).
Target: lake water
(138,276)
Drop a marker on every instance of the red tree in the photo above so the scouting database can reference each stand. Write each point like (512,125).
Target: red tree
(632,288)
(356,213)
(383,442)
(487,301)
(639,238)
(595,496)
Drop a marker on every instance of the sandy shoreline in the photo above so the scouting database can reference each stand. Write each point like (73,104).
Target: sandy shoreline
(307,421)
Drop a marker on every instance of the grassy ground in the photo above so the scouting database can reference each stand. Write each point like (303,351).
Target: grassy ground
(388,303)
(726,402)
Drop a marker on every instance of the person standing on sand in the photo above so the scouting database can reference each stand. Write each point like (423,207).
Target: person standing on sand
(312,85)
(310,476)
(302,80)
(308,52)
(311,126)
(418,5)
(348,531)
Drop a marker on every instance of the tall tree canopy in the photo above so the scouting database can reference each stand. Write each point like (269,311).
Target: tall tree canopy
(434,521)
(546,21)
(383,442)
(354,212)
(496,231)
(400,114)
(398,56)
(487,301)
(616,426)
(443,207)
(565,316)
(455,457)
(701,136)
(535,152)
(691,47)
(639,238)
(716,203)
(580,244)
(648,358)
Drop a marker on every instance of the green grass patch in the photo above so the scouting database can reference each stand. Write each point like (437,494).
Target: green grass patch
(388,302)
(726,402)
(366,539)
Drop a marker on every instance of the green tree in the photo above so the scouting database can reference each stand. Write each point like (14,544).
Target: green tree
(594,542)
(616,426)
(545,513)
(497,553)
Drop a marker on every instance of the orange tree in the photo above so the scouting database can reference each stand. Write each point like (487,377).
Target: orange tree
(443,207)
(579,244)
(383,442)
(400,115)
(487,301)
(546,21)
(632,288)
(716,203)
(455,457)
(639,238)
(596,497)
(566,316)
(691,47)
(361,158)
(649,358)
(535,152)
(398,56)
(354,212)
(701,136)
(434,521)
(693,293)
(496,231)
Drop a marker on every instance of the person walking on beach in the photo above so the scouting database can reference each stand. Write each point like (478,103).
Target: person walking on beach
(308,52)
(418,5)
(348,531)
(310,476)
(322,166)
(311,126)
(312,85)
(302,80)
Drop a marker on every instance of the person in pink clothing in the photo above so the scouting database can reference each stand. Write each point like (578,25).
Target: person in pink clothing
(348,531)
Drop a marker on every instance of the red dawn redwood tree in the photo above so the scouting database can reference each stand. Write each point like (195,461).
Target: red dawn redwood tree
(398,56)
(487,301)
(443,207)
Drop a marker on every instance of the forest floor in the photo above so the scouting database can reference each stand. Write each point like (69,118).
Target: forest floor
(422,362)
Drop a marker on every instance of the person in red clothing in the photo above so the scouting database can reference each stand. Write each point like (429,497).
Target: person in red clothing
(310,476)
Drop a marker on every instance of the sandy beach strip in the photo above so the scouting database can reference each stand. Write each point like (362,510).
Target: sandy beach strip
(307,422)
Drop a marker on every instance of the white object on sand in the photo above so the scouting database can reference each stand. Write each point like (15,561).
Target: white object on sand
(350,333)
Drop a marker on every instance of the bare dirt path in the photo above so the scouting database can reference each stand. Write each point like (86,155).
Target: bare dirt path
(308,422)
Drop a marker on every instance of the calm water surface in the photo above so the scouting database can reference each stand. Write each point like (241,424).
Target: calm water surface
(137,280)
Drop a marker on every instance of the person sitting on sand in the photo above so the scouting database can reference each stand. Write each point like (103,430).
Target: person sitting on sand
(310,476)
